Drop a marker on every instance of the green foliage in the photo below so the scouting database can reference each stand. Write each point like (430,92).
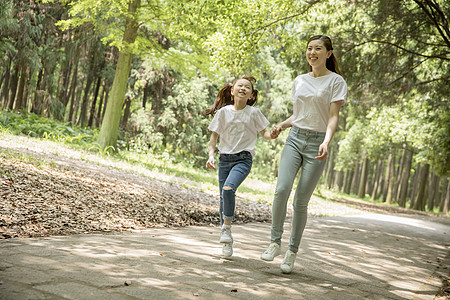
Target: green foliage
(178,124)
(41,127)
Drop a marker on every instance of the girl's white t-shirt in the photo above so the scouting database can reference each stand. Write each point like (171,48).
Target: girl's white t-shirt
(238,129)
(312,97)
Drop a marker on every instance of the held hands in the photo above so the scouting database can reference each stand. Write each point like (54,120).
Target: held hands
(210,163)
(275,131)
(323,152)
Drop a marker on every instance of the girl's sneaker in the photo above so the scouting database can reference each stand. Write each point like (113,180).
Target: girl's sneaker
(271,252)
(287,265)
(225,234)
(227,249)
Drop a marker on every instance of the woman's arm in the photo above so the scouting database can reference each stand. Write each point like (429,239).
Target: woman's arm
(212,149)
(275,131)
(333,120)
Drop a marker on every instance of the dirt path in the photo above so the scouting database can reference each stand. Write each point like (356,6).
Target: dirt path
(50,190)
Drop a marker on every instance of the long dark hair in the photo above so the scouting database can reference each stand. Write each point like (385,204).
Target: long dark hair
(332,63)
(224,97)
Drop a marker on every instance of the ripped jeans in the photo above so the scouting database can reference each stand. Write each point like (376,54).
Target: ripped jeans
(233,169)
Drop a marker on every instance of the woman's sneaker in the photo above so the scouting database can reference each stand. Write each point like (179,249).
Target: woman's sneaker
(271,252)
(225,234)
(227,249)
(287,265)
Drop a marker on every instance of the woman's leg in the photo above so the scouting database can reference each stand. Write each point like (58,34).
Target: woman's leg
(311,172)
(290,163)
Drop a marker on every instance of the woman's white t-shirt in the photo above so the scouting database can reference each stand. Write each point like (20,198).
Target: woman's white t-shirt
(238,129)
(312,97)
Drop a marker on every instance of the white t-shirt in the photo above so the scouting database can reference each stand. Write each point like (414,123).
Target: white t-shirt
(238,129)
(312,97)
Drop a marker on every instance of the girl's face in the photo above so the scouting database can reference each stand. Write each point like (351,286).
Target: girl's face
(242,89)
(317,53)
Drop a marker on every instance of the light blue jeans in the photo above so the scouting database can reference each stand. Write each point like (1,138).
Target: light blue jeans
(233,169)
(299,151)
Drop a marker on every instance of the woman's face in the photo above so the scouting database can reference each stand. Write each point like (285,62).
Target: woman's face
(242,89)
(317,53)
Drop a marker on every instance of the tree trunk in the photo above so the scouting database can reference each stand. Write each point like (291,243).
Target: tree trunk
(330,171)
(5,86)
(355,181)
(443,189)
(387,177)
(72,92)
(13,87)
(36,105)
(378,188)
(20,99)
(419,202)
(347,178)
(100,105)
(126,113)
(90,77)
(105,104)
(414,187)
(147,89)
(390,181)
(110,125)
(403,189)
(94,102)
(433,181)
(338,180)
(447,199)
(364,174)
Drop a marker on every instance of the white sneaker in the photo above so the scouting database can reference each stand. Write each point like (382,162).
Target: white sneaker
(271,252)
(227,249)
(288,262)
(225,234)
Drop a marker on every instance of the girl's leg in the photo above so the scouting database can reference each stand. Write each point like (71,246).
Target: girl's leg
(311,172)
(290,163)
(238,172)
(224,170)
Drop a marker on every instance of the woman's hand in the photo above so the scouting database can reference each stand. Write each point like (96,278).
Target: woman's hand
(323,152)
(210,164)
(275,131)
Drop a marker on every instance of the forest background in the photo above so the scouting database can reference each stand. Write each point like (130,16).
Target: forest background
(137,75)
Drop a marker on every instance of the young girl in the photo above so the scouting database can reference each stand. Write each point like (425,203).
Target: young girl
(237,123)
(318,97)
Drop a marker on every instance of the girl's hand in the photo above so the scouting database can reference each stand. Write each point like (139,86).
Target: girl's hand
(323,152)
(210,164)
(275,131)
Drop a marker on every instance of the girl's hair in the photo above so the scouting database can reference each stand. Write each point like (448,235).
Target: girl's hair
(332,63)
(224,97)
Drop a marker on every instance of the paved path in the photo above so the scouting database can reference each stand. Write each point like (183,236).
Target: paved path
(370,256)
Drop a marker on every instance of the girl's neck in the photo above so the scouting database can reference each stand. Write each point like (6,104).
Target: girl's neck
(239,105)
(317,72)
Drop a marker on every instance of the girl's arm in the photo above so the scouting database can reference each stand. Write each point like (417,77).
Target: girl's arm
(266,134)
(331,129)
(275,131)
(212,149)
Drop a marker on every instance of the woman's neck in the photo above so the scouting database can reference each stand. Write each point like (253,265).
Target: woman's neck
(317,72)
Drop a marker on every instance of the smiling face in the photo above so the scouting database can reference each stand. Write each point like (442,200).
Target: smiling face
(317,54)
(242,90)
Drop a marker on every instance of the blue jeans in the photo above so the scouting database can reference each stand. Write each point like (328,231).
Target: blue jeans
(299,151)
(233,169)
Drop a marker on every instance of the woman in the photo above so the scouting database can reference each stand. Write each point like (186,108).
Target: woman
(318,97)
